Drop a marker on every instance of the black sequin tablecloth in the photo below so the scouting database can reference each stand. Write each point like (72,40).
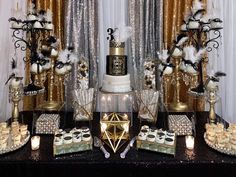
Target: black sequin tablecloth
(202,161)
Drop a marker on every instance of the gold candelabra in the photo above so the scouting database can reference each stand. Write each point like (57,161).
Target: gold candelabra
(50,104)
(177,105)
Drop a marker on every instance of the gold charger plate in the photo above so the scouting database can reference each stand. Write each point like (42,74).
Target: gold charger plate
(223,150)
(11,147)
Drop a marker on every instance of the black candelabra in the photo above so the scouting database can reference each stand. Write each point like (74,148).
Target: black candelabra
(28,35)
(202,34)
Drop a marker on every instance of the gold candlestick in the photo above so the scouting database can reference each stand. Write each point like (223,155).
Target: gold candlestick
(166,81)
(16,95)
(177,105)
(212,99)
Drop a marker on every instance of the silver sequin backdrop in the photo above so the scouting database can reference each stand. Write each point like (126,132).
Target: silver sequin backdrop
(81,31)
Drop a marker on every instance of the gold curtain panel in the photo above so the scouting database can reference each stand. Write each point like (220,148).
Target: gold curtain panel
(174,13)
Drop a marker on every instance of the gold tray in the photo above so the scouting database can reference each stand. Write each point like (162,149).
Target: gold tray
(11,147)
(223,150)
(157,147)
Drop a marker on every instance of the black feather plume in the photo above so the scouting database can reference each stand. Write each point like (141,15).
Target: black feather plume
(215,79)
(13,64)
(180,36)
(51,40)
(219,74)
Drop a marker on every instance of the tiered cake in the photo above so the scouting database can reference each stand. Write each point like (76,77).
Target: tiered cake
(116,78)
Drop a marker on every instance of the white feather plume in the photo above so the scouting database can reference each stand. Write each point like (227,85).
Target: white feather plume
(197,5)
(63,56)
(189,53)
(163,55)
(187,16)
(31,8)
(48,15)
(122,33)
(200,53)
(73,58)
(205,18)
(56,44)
(66,56)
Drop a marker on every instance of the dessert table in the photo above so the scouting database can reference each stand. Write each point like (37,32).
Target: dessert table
(202,161)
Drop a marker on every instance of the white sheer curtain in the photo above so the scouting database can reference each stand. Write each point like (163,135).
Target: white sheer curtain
(224,58)
(7,51)
(111,14)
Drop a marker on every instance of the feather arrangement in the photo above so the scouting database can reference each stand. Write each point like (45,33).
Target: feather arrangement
(163,55)
(66,56)
(122,33)
(41,15)
(213,79)
(197,5)
(192,55)
(200,54)
(13,78)
(189,52)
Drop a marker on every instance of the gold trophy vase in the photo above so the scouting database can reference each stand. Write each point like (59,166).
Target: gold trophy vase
(16,96)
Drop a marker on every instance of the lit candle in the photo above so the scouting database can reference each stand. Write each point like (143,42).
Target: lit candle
(103,127)
(35,142)
(105,117)
(189,141)
(126,127)
(125,117)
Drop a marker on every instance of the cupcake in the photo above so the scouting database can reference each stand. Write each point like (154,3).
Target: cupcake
(3,125)
(169,141)
(193,24)
(211,134)
(6,131)
(86,137)
(160,139)
(23,127)
(67,139)
(177,52)
(142,136)
(38,25)
(58,139)
(233,143)
(31,17)
(222,140)
(76,139)
(151,137)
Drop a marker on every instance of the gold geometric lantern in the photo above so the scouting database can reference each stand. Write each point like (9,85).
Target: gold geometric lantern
(114,130)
